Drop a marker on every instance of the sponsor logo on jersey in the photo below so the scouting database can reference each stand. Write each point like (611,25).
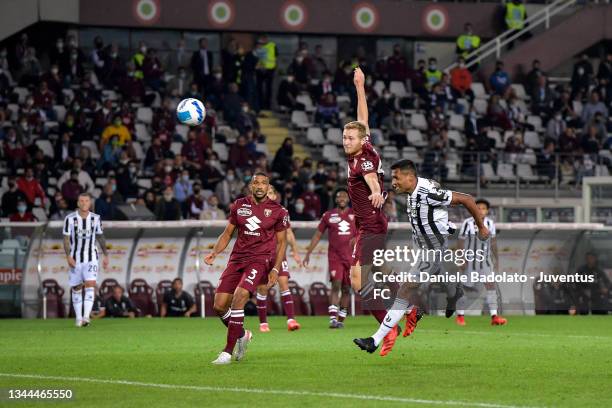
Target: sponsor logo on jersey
(267,212)
(252,224)
(244,212)
(344,228)
(334,219)
(367,165)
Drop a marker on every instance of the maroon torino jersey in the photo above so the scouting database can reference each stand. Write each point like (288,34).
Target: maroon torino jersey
(257,227)
(367,217)
(341,226)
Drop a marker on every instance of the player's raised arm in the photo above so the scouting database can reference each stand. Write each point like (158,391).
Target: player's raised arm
(281,248)
(362,104)
(468,202)
(222,243)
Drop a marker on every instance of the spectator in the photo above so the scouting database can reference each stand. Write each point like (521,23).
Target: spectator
(229,188)
(195,203)
(127,181)
(300,69)
(217,87)
(14,148)
(283,160)
(592,107)
(246,119)
(288,91)
(168,208)
(202,64)
(473,124)
(62,211)
(155,154)
(467,42)
(177,303)
(107,204)
(461,81)
(232,104)
(180,84)
(132,87)
(150,200)
(179,58)
(582,75)
(64,151)
(326,86)
(119,305)
(32,189)
(597,291)
(44,99)
(546,161)
(499,81)
(568,142)
(533,76)
(183,187)
(396,126)
(328,112)
(296,211)
(541,98)
(319,66)
(267,53)
(22,214)
(117,128)
(211,173)
(84,178)
(230,61)
(397,67)
(152,70)
(239,156)
(312,201)
(11,197)
(556,127)
(432,75)
(212,210)
(71,189)
(591,143)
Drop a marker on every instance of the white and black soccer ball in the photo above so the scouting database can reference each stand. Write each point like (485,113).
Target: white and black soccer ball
(191,112)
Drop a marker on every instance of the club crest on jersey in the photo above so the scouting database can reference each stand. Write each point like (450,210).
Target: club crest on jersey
(352,217)
(367,165)
(267,212)
(244,212)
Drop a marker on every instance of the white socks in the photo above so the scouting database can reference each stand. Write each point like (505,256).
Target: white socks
(77,303)
(393,316)
(491,298)
(88,303)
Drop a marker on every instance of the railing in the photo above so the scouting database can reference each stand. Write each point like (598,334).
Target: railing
(541,17)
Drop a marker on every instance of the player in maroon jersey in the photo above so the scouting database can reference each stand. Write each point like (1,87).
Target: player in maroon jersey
(365,187)
(283,282)
(262,226)
(340,222)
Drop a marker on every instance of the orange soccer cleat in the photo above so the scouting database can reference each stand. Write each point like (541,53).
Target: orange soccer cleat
(460,320)
(498,321)
(264,327)
(412,319)
(389,341)
(292,325)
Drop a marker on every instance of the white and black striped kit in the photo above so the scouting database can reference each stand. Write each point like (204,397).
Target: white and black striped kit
(427,210)
(82,232)
(469,233)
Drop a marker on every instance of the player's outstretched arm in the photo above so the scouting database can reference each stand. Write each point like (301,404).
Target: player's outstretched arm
(469,203)
(222,243)
(376,197)
(313,244)
(281,249)
(362,103)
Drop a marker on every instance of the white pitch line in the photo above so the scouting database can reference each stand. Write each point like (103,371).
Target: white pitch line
(262,391)
(521,334)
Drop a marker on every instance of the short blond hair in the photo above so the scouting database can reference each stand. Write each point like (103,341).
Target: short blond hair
(360,127)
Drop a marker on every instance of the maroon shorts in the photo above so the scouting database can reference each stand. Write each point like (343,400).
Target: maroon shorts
(340,271)
(371,236)
(247,274)
(284,267)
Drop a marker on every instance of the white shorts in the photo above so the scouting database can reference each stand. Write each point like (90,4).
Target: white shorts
(87,271)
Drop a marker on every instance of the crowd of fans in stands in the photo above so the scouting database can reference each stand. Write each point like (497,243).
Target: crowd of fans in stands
(69,105)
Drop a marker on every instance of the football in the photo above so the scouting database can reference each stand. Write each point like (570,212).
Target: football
(191,112)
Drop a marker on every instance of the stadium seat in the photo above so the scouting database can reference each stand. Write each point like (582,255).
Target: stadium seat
(208,290)
(305,100)
(457,122)
(60,112)
(536,122)
(494,134)
(577,107)
(54,293)
(163,286)
(176,148)
(318,294)
(481,106)
(530,157)
(602,170)
(488,172)
(144,115)
(22,94)
(418,121)
(377,137)
(68,95)
(262,148)
(93,148)
(479,90)
(390,152)
(106,288)
(221,150)
(519,91)
(334,135)
(415,138)
(398,89)
(300,120)
(531,139)
(379,87)
(273,306)
(453,172)
(505,171)
(142,133)
(297,292)
(314,135)
(182,131)
(525,172)
(39,213)
(331,153)
(14,110)
(109,94)
(411,153)
(138,150)
(141,295)
(46,147)
(457,137)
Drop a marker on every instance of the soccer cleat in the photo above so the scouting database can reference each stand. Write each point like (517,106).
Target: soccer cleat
(224,358)
(451,302)
(412,319)
(339,325)
(498,321)
(78,323)
(241,345)
(85,323)
(460,320)
(389,340)
(333,324)
(366,344)
(264,327)
(292,325)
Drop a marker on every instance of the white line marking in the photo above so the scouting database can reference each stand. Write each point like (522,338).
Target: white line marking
(521,334)
(261,391)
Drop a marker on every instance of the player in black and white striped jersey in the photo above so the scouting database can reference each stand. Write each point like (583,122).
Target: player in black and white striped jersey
(485,265)
(82,231)
(427,210)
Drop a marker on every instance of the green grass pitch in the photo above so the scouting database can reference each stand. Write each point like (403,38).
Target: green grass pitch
(533,361)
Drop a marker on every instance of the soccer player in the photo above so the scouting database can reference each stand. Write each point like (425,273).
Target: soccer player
(427,209)
(80,231)
(261,224)
(365,188)
(283,282)
(340,222)
(177,302)
(485,267)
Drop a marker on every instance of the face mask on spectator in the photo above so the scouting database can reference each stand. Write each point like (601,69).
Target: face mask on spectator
(245,109)
(168,169)
(54,71)
(299,207)
(143,49)
(60,45)
(74,56)
(386,95)
(299,59)
(133,169)
(24,125)
(230,177)
(114,54)
(557,117)
(218,75)
(432,67)
(290,79)
(168,197)
(185,178)
(311,187)
(214,163)
(114,187)
(21,208)
(368,81)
